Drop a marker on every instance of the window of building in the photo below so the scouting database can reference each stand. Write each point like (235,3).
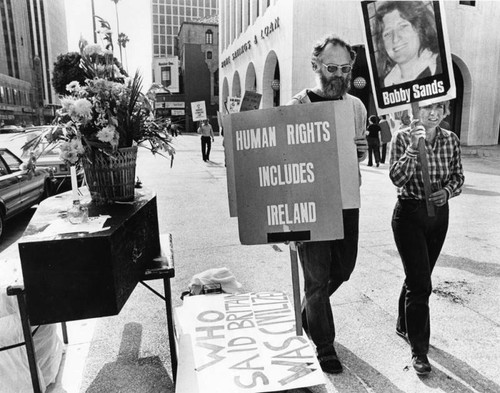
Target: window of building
(209,37)
(1,94)
(209,55)
(470,3)
(166,76)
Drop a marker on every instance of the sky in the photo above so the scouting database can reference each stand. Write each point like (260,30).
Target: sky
(134,18)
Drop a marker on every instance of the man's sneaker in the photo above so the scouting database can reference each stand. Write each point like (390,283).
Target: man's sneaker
(330,363)
(401,333)
(421,364)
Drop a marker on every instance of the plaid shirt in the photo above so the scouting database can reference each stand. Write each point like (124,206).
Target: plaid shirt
(445,165)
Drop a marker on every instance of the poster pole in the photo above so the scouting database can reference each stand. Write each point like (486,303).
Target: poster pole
(425,166)
(296,288)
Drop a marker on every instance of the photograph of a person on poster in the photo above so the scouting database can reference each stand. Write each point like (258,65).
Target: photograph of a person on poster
(405,40)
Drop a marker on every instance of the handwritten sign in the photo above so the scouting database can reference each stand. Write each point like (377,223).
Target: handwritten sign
(295,168)
(247,343)
(198,110)
(396,81)
(251,101)
(233,104)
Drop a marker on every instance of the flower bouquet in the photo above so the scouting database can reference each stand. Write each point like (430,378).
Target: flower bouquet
(101,123)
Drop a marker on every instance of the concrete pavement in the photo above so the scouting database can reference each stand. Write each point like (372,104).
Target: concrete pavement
(129,352)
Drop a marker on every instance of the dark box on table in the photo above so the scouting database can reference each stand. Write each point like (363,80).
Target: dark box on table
(87,275)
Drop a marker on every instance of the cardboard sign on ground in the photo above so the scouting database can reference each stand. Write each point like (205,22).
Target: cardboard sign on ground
(244,343)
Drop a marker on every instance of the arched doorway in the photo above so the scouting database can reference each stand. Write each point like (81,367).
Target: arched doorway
(251,79)
(236,90)
(225,93)
(270,82)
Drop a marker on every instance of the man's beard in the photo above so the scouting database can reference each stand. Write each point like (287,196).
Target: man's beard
(336,86)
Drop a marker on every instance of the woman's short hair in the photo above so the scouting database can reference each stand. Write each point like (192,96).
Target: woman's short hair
(421,18)
(319,47)
(373,119)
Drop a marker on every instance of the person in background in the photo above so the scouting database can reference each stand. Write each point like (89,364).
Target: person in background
(207,137)
(373,138)
(406,38)
(327,264)
(419,238)
(385,137)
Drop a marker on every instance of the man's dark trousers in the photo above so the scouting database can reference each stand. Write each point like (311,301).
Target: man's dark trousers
(326,265)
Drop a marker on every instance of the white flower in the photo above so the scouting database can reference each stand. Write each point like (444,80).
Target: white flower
(83,108)
(73,86)
(107,134)
(92,49)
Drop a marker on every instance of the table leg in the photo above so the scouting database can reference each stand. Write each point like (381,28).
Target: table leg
(170,326)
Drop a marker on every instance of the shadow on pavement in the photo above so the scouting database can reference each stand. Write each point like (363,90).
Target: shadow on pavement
(358,375)
(129,373)
(474,381)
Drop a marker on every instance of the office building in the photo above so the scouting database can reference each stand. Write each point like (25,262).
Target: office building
(265,46)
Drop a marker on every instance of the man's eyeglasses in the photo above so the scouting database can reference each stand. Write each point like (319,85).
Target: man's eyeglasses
(332,68)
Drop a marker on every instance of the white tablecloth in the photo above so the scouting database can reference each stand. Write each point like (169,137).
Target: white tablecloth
(14,368)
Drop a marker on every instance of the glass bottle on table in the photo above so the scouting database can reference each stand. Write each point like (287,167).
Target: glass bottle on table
(77,213)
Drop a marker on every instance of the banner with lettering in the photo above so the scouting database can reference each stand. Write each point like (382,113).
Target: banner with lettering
(295,168)
(408,53)
(246,343)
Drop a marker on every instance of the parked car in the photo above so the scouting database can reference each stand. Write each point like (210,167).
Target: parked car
(21,185)
(10,129)
(49,159)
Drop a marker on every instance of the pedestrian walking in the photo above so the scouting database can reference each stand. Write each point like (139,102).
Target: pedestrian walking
(327,264)
(419,238)
(373,138)
(207,137)
(385,137)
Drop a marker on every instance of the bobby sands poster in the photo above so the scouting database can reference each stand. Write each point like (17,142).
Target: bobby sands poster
(292,170)
(408,53)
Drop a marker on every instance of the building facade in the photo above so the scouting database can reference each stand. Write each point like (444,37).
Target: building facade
(167,17)
(265,46)
(199,65)
(31,36)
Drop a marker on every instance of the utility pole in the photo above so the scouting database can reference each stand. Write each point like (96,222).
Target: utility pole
(118,28)
(93,22)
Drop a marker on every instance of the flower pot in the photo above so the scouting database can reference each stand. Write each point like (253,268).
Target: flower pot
(110,176)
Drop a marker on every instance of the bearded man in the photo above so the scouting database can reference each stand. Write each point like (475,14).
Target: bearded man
(327,264)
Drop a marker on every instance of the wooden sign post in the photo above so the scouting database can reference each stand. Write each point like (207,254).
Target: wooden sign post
(422,155)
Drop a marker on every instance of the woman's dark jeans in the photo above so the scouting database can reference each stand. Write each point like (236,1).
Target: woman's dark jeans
(326,265)
(419,239)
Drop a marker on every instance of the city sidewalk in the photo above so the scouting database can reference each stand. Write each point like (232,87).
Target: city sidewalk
(129,352)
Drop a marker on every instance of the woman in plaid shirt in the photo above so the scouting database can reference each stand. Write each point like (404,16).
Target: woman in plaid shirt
(419,238)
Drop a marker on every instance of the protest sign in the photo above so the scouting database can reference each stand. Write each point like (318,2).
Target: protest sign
(245,343)
(251,101)
(229,159)
(295,168)
(199,111)
(233,104)
(408,53)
